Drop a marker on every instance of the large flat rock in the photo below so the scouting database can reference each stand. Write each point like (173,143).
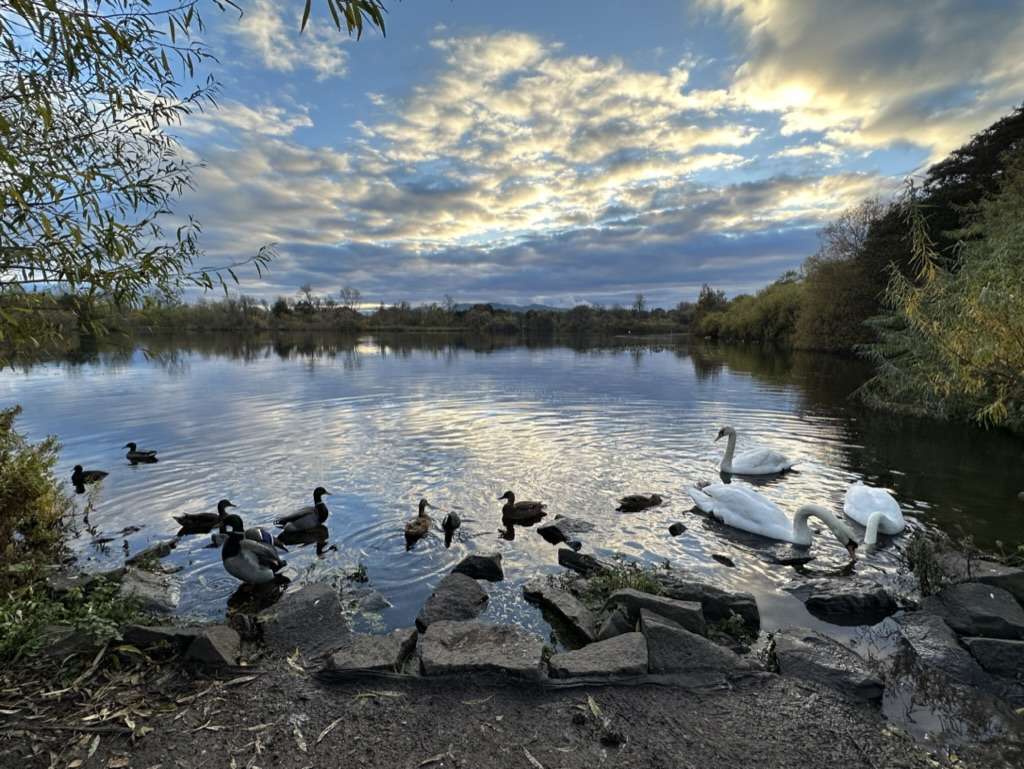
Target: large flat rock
(475,647)
(672,648)
(998,656)
(154,593)
(457,597)
(803,653)
(486,567)
(960,569)
(215,646)
(622,655)
(717,604)
(975,609)
(687,614)
(309,619)
(563,529)
(847,602)
(579,620)
(374,652)
(583,564)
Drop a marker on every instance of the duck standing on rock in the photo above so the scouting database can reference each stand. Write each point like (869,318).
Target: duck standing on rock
(308,517)
(136,455)
(200,523)
(518,512)
(418,527)
(255,533)
(82,477)
(254,563)
(634,503)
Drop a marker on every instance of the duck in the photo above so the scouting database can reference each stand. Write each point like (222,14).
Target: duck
(743,508)
(520,511)
(136,455)
(81,477)
(308,517)
(249,561)
(418,527)
(874,509)
(201,522)
(752,461)
(634,503)
(255,533)
(450,525)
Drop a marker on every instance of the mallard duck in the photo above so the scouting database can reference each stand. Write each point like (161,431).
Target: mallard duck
(308,517)
(450,524)
(203,522)
(249,561)
(136,455)
(634,503)
(520,511)
(255,533)
(81,477)
(417,528)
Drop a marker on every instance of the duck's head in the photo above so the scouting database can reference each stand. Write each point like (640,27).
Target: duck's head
(129,446)
(77,470)
(223,505)
(233,523)
(509,496)
(724,432)
(320,492)
(851,548)
(424,505)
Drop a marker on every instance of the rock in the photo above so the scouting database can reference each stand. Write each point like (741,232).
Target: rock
(155,593)
(724,560)
(974,609)
(217,646)
(717,604)
(474,647)
(457,597)
(616,623)
(581,563)
(366,600)
(959,569)
(687,614)
(929,641)
(676,529)
(153,552)
(579,619)
(672,648)
(803,653)
(623,655)
(308,619)
(998,656)
(64,581)
(575,544)
(847,602)
(562,528)
(374,652)
(145,636)
(58,642)
(486,567)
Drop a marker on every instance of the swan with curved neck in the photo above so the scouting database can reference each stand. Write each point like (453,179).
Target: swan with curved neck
(752,461)
(874,509)
(743,508)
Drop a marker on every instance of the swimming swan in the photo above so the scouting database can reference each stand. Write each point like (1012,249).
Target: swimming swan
(752,462)
(743,508)
(875,510)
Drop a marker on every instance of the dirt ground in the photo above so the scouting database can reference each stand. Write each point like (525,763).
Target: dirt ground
(276,714)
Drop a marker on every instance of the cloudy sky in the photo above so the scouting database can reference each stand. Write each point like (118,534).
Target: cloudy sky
(578,151)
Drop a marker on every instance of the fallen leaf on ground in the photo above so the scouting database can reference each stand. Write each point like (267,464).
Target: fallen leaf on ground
(533,761)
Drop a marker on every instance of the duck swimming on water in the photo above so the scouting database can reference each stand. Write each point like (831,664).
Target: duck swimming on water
(136,455)
(254,563)
(450,524)
(308,517)
(200,523)
(520,511)
(417,528)
(634,503)
(82,477)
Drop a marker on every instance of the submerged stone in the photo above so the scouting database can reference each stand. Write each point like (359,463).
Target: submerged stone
(847,602)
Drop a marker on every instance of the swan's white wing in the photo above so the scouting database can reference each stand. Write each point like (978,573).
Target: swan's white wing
(760,462)
(861,501)
(743,508)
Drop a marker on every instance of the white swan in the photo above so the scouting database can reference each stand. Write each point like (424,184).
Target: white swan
(875,510)
(752,462)
(743,508)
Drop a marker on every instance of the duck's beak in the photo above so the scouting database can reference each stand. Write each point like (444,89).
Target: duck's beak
(230,504)
(432,507)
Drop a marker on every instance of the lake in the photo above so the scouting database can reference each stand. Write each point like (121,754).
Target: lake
(382,422)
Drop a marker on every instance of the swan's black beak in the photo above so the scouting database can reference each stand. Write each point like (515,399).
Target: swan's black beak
(719,437)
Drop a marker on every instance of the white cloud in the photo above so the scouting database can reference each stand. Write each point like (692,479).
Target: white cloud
(271,31)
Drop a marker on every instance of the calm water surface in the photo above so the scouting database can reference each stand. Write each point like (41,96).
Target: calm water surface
(382,422)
